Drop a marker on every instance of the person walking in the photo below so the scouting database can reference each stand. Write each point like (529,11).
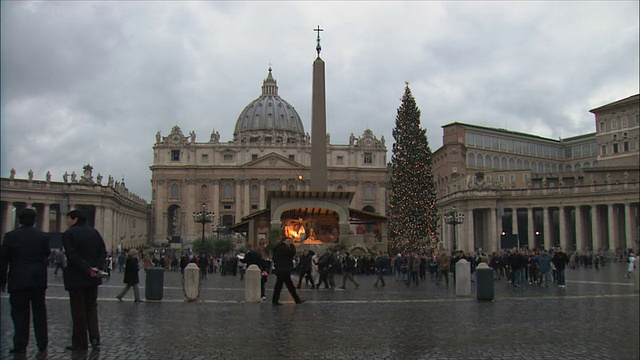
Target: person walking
(60,260)
(631,265)
(544,261)
(86,254)
(348,267)
(305,269)
(444,264)
(380,265)
(283,255)
(131,277)
(24,257)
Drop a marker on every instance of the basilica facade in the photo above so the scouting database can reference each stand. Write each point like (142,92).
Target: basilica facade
(270,152)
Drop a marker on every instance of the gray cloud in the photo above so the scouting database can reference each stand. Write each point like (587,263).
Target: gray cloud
(92,82)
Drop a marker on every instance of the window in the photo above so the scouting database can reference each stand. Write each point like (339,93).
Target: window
(175,191)
(532,149)
(509,145)
(496,162)
(526,164)
(615,148)
(625,122)
(519,164)
(292,188)
(602,129)
(175,155)
(512,178)
(517,147)
(501,179)
(567,153)
(614,136)
(539,150)
(534,166)
(487,141)
(614,124)
(226,207)
(504,163)
(487,161)
(625,146)
(368,192)
(603,150)
(625,134)
(470,139)
(227,157)
(525,178)
(480,160)
(503,144)
(227,192)
(340,159)
(204,158)
(368,158)
(292,157)
(254,157)
(512,164)
(472,159)
(254,192)
(540,167)
(494,143)
(254,207)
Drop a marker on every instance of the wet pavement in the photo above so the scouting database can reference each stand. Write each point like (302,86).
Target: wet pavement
(595,317)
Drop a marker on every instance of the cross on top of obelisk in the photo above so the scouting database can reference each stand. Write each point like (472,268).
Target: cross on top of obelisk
(318,47)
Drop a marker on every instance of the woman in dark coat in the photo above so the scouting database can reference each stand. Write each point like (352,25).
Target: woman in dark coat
(131,276)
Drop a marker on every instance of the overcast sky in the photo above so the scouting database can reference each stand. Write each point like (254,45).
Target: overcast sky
(92,82)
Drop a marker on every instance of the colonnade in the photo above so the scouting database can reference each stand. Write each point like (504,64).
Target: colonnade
(583,227)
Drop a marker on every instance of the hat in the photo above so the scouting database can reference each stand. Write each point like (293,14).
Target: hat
(133,252)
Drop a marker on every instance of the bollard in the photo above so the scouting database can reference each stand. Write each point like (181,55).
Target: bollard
(636,275)
(154,283)
(463,278)
(191,282)
(484,282)
(253,277)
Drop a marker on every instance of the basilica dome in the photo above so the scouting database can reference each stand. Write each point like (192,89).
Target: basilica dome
(269,118)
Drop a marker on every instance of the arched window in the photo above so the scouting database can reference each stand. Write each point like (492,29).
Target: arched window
(519,164)
(340,188)
(487,161)
(254,192)
(292,188)
(512,164)
(496,162)
(540,167)
(504,164)
(554,168)
(471,159)
(175,191)
(368,192)
(534,166)
(547,167)
(526,164)
(568,168)
(576,167)
(586,165)
(227,191)
(480,160)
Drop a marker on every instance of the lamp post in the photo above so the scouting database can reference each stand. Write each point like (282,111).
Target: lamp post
(203,217)
(454,218)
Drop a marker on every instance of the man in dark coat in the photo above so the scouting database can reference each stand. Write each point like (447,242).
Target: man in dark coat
(86,254)
(131,277)
(283,255)
(25,252)
(253,257)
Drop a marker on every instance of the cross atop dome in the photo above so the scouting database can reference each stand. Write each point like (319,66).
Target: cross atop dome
(318,47)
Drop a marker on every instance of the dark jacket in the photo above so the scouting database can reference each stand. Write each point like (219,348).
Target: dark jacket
(131,271)
(560,260)
(253,258)
(25,251)
(283,256)
(85,249)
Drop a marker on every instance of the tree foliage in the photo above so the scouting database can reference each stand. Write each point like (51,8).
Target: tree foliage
(412,211)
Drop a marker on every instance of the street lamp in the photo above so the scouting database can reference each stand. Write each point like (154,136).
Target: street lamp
(454,218)
(203,217)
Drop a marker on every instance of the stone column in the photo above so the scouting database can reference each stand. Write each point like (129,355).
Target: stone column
(563,228)
(546,228)
(262,195)
(514,221)
(9,219)
(246,201)
(216,197)
(531,227)
(494,235)
(613,229)
(628,226)
(467,237)
(45,217)
(580,240)
(595,229)
(238,202)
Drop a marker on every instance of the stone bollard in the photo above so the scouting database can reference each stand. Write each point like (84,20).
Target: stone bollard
(463,278)
(191,282)
(636,274)
(252,280)
(484,282)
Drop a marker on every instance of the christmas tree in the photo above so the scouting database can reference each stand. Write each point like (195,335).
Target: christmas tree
(412,211)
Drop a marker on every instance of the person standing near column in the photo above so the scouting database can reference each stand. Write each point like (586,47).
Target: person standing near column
(86,254)
(560,260)
(25,253)
(283,254)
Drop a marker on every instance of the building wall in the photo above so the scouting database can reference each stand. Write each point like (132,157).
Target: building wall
(232,178)
(121,217)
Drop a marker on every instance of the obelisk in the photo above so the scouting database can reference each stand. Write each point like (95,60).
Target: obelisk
(318,125)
